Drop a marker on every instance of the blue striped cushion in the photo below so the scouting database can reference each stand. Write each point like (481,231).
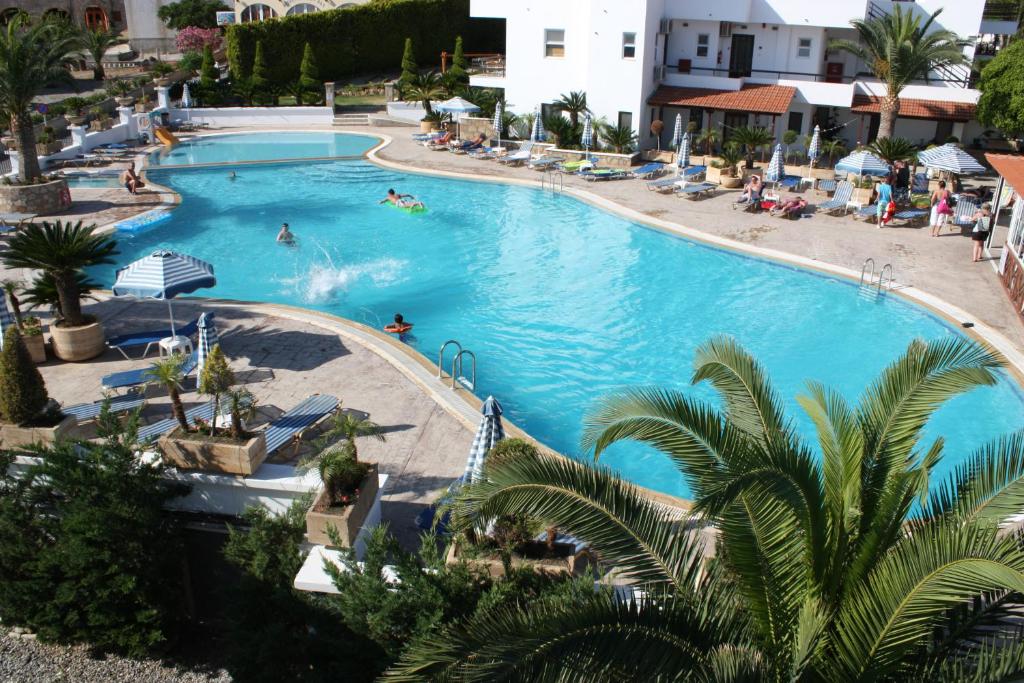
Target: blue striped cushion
(284,428)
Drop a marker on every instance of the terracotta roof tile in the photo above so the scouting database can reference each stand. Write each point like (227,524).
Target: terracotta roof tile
(753,98)
(1011,167)
(917,109)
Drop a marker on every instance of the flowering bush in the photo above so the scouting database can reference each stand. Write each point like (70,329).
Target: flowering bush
(194,39)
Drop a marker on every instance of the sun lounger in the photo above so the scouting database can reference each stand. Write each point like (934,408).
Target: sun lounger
(650,170)
(790,182)
(519,156)
(484,152)
(665,185)
(844,191)
(920,184)
(911,216)
(152,432)
(148,339)
(693,172)
(438,144)
(9,222)
(84,412)
(420,137)
(964,209)
(603,174)
(290,426)
(867,213)
(826,186)
(137,377)
(697,190)
(543,163)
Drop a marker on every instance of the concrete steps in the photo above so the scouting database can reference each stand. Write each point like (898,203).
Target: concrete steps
(351,119)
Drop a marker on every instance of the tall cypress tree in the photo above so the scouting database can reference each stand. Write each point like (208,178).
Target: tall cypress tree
(409,68)
(457,74)
(208,75)
(309,75)
(22,389)
(259,80)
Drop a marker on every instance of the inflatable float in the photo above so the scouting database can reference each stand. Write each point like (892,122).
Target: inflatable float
(395,328)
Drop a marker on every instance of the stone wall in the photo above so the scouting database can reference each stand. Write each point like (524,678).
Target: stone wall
(44,199)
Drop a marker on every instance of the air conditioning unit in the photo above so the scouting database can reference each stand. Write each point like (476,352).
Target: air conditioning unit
(659,72)
(725,29)
(666,26)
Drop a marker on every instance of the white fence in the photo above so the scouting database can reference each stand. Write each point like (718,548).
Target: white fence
(230,117)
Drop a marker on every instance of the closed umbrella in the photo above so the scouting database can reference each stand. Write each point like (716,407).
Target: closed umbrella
(458,107)
(186,97)
(489,433)
(814,151)
(587,139)
(538,128)
(499,111)
(776,169)
(207,340)
(164,275)
(684,151)
(950,158)
(862,163)
(677,132)
(6,317)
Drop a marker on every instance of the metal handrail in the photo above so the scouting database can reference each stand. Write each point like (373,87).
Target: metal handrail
(440,356)
(548,179)
(864,269)
(457,375)
(881,277)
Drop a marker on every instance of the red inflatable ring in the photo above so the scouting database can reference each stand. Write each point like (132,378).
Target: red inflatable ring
(395,328)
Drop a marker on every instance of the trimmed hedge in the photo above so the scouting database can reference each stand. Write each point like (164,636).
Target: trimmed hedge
(361,39)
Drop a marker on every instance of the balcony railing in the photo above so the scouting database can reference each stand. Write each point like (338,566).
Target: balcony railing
(1001,11)
(480,63)
(955,79)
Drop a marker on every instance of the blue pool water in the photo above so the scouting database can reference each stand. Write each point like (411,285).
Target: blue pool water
(237,148)
(561,302)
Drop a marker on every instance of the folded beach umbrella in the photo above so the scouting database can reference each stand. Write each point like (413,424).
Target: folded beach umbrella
(538,128)
(950,158)
(587,139)
(207,340)
(489,433)
(677,132)
(186,97)
(684,151)
(164,275)
(862,163)
(6,317)
(814,151)
(499,111)
(776,169)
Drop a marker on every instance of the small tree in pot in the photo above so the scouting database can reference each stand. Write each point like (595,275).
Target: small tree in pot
(27,415)
(168,373)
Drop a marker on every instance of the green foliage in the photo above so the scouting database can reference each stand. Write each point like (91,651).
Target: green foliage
(789,137)
(364,39)
(833,150)
(62,251)
(1002,90)
(86,551)
(350,426)
(574,104)
(258,73)
(892,150)
(309,75)
(708,138)
(752,139)
(43,292)
(22,389)
(621,139)
(565,135)
(96,43)
(341,473)
(216,377)
(409,68)
(208,75)
(185,13)
(456,76)
(424,88)
(192,61)
(167,372)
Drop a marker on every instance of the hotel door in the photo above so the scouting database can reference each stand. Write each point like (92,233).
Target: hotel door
(741,56)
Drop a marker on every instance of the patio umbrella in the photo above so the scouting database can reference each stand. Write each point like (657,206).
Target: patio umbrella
(776,170)
(677,132)
(814,151)
(950,158)
(6,317)
(499,110)
(684,151)
(587,139)
(489,433)
(538,128)
(186,97)
(862,163)
(458,107)
(207,340)
(164,275)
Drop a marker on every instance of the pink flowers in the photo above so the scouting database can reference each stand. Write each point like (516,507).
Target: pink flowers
(194,39)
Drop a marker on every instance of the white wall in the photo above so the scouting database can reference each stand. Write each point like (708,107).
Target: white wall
(257,116)
(142,20)
(274,487)
(789,12)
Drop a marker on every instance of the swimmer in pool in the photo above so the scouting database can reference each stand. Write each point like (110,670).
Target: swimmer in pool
(285,236)
(398,325)
(405,201)
(232,176)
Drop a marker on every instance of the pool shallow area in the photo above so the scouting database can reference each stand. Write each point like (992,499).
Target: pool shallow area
(561,302)
(246,147)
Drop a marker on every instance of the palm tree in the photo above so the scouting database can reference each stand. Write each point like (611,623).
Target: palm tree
(349,426)
(96,42)
(898,49)
(619,138)
(425,87)
(167,372)
(709,137)
(561,128)
(32,56)
(891,150)
(752,138)
(833,148)
(574,104)
(62,251)
(843,567)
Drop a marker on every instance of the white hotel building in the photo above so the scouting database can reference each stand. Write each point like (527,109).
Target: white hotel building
(731,62)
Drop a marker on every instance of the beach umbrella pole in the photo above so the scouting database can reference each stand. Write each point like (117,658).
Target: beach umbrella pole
(170,312)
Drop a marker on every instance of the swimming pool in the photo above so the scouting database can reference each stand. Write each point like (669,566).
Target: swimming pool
(241,148)
(92,181)
(561,302)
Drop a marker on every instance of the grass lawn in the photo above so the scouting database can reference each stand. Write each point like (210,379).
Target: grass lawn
(341,100)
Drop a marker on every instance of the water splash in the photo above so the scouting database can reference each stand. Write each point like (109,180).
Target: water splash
(324,280)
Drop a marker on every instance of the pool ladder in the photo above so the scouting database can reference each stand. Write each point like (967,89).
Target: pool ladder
(552,180)
(869,275)
(457,374)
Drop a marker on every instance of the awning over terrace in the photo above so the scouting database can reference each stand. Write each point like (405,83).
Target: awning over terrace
(935,110)
(752,98)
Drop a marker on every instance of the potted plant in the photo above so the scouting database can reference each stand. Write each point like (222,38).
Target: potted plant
(160,72)
(46,143)
(214,446)
(432,121)
(27,415)
(340,509)
(74,108)
(62,251)
(510,544)
(32,335)
(723,170)
(121,90)
(864,187)
(100,119)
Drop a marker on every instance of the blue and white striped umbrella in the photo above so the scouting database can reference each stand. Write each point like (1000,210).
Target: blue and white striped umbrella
(538,134)
(6,317)
(457,105)
(488,434)
(186,97)
(776,170)
(683,160)
(207,340)
(862,163)
(499,111)
(950,158)
(814,151)
(587,139)
(677,132)
(164,275)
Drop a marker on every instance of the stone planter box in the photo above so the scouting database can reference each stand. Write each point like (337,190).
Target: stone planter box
(347,520)
(429,126)
(716,175)
(44,149)
(862,195)
(100,125)
(13,436)
(76,344)
(36,347)
(493,567)
(41,199)
(198,452)
(665,156)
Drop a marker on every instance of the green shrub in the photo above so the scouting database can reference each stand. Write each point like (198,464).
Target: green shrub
(362,39)
(22,390)
(409,68)
(309,77)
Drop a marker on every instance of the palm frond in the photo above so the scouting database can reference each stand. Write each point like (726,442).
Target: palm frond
(989,487)
(997,660)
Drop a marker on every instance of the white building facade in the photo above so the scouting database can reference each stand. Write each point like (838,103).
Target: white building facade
(260,10)
(726,63)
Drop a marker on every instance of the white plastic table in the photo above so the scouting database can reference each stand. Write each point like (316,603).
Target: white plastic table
(179,344)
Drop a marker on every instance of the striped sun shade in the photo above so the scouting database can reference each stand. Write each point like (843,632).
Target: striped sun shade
(163,275)
(488,434)
(6,318)
(950,158)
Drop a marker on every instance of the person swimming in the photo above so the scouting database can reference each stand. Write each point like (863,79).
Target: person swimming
(400,326)
(404,201)
(232,175)
(286,236)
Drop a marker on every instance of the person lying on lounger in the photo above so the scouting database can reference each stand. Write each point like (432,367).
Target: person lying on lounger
(475,144)
(791,208)
(405,201)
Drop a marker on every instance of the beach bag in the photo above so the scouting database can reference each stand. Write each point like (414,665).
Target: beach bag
(943,205)
(890,209)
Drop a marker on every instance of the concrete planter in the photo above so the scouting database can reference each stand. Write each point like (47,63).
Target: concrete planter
(124,101)
(76,344)
(14,436)
(44,149)
(199,452)
(429,126)
(36,347)
(41,199)
(717,175)
(665,156)
(99,125)
(347,520)
(569,564)
(862,195)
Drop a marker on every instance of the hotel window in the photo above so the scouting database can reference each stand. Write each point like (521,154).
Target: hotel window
(626,119)
(703,40)
(628,45)
(803,48)
(554,42)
